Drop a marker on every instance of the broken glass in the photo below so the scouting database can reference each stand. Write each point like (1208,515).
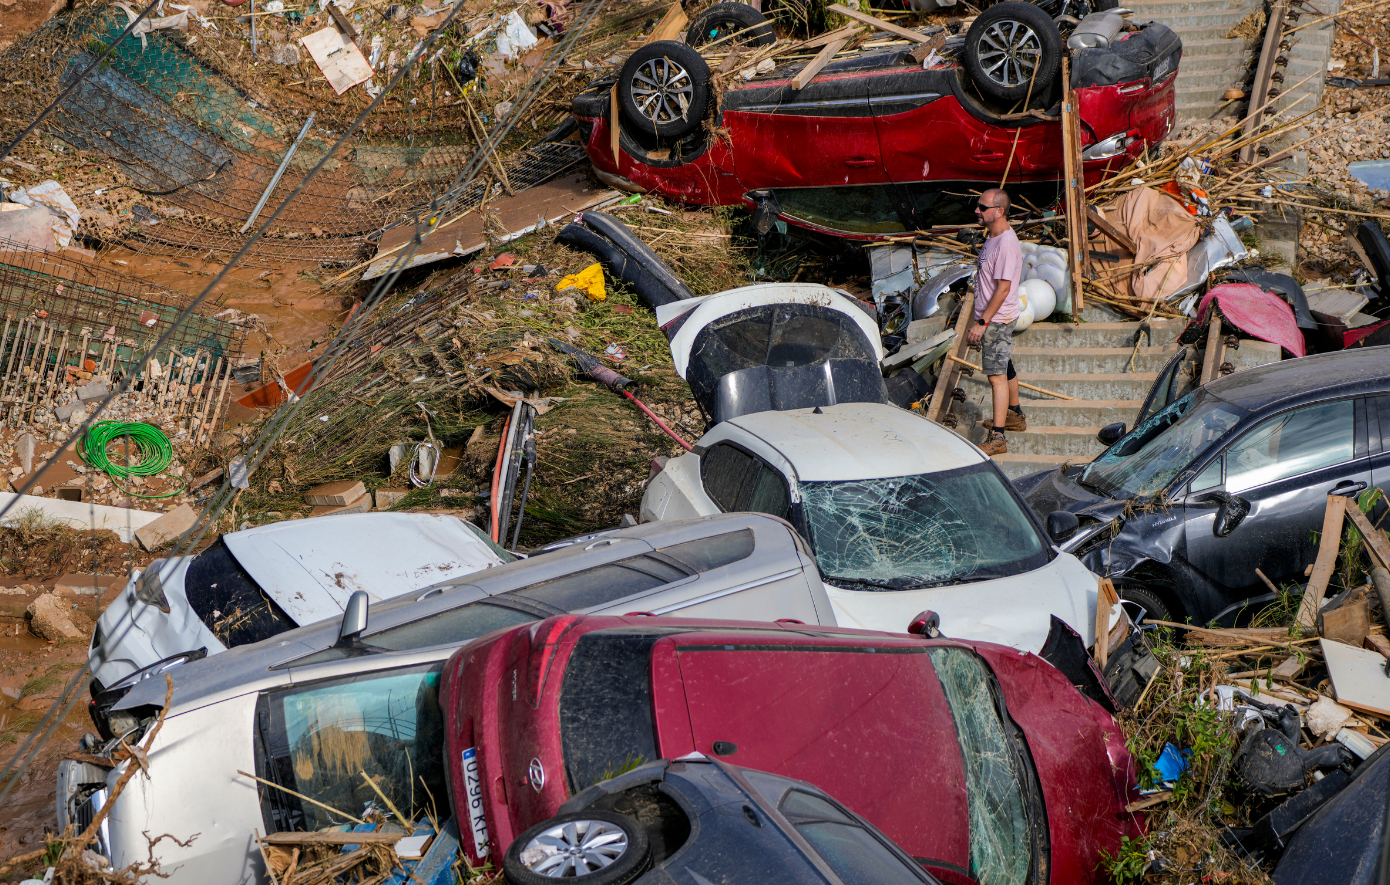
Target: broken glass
(1154,453)
(902,532)
(1001,842)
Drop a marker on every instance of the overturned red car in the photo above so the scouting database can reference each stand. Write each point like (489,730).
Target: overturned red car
(879,143)
(983,763)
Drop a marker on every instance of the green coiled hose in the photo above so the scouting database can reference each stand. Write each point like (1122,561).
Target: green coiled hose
(153,453)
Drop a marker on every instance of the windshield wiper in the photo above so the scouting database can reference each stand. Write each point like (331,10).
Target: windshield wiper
(943,582)
(1090,486)
(867,582)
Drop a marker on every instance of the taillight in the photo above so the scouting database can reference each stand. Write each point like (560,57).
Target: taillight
(545,639)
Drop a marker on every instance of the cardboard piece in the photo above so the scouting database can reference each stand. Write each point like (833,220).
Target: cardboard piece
(338,58)
(1358,677)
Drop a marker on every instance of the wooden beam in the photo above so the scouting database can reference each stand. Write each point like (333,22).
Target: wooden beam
(614,126)
(1106,599)
(940,405)
(1078,253)
(331,837)
(1216,348)
(1375,539)
(813,67)
(341,21)
(671,26)
(1259,95)
(1120,237)
(1026,386)
(879,23)
(1328,546)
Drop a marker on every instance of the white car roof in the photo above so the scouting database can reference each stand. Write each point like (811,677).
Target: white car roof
(311,566)
(859,441)
(705,310)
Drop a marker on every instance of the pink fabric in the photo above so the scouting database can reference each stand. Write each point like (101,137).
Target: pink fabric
(1000,259)
(1256,312)
(1352,336)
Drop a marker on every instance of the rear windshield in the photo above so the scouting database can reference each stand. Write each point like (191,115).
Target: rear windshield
(606,725)
(229,601)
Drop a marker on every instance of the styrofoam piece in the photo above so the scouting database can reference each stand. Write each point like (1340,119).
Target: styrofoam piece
(1040,295)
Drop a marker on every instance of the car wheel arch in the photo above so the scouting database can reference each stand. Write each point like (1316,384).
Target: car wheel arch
(1156,580)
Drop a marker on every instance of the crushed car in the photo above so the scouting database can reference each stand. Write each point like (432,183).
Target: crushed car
(885,141)
(1230,478)
(310,709)
(981,763)
(901,514)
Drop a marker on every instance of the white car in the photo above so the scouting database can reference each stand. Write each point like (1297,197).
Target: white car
(901,514)
(253,584)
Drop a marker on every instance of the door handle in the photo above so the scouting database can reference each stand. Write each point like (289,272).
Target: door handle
(987,155)
(1348,488)
(860,162)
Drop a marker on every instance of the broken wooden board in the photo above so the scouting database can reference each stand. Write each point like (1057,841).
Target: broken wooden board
(1120,237)
(1376,544)
(1330,542)
(1269,57)
(813,67)
(341,62)
(519,215)
(889,27)
(1358,677)
(1078,252)
(1348,618)
(671,26)
(1215,350)
(1106,600)
(940,405)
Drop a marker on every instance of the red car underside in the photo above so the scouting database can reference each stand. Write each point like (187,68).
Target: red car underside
(876,145)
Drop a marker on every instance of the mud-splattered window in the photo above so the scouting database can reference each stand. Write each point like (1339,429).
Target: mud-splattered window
(1001,839)
(854,852)
(912,531)
(341,741)
(228,600)
(1153,454)
(1291,444)
(740,483)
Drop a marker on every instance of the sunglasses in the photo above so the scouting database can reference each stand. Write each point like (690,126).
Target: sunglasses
(981,207)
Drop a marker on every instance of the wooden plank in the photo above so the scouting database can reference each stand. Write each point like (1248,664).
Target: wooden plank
(879,23)
(1078,244)
(940,405)
(1329,545)
(1358,677)
(808,73)
(341,21)
(1111,231)
(1269,52)
(1375,539)
(1215,348)
(672,25)
(1025,385)
(331,837)
(1106,599)
(615,127)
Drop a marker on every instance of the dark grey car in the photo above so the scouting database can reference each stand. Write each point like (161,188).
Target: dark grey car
(1182,509)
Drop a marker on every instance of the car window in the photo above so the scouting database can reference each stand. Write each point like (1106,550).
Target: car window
(1000,833)
(324,740)
(606,724)
(856,855)
(740,483)
(1209,478)
(604,584)
(708,554)
(454,625)
(910,531)
(228,600)
(1287,445)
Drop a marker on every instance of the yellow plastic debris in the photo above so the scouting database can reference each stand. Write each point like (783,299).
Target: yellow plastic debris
(590,279)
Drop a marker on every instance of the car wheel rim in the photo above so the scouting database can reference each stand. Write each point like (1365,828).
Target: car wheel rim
(663,90)
(576,848)
(1009,53)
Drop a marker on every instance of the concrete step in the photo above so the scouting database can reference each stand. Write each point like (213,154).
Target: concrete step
(1071,335)
(1079,413)
(1078,385)
(1070,442)
(1032,361)
(1016,466)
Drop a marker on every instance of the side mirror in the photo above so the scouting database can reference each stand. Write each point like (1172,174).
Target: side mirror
(354,618)
(926,625)
(1229,515)
(1111,433)
(1062,524)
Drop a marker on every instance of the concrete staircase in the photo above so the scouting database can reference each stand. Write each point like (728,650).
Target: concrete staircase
(1092,362)
(1211,63)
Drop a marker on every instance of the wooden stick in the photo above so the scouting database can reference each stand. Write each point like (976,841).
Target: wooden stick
(808,73)
(1375,538)
(301,796)
(940,405)
(1328,18)
(221,403)
(1110,230)
(1106,599)
(879,23)
(1215,347)
(1328,546)
(1259,96)
(1268,583)
(955,359)
(1076,190)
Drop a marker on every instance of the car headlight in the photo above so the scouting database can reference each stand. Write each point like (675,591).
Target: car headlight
(1110,147)
(149,589)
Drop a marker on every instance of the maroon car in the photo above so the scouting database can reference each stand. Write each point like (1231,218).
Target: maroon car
(880,143)
(981,762)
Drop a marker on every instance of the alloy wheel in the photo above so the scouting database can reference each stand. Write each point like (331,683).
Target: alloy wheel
(1009,52)
(663,90)
(574,848)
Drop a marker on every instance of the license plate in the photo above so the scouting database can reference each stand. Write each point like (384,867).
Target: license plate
(473,788)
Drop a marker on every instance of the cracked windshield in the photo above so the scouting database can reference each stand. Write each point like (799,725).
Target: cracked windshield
(911,531)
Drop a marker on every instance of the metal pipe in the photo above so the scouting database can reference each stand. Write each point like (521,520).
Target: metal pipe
(284,164)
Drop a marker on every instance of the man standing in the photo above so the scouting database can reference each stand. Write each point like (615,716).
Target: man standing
(996,311)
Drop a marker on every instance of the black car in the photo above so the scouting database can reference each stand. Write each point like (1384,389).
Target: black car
(1234,476)
(697,820)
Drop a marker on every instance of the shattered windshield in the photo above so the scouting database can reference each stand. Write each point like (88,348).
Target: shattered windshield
(903,532)
(1154,453)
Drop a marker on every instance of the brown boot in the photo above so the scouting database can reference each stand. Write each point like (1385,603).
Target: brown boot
(995,445)
(1014,423)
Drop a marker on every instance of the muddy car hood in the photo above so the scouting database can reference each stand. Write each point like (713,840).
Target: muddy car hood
(310,567)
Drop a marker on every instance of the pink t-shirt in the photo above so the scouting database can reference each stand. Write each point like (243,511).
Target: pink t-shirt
(1000,259)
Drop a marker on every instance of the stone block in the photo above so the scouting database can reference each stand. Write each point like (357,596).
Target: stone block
(360,505)
(50,618)
(65,412)
(167,527)
(388,498)
(335,494)
(24,447)
(93,391)
(84,585)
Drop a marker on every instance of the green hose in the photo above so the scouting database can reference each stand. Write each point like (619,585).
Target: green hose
(152,452)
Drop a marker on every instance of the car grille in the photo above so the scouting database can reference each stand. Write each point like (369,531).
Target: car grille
(84,811)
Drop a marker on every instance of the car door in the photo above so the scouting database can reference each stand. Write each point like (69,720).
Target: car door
(1285,467)
(1379,441)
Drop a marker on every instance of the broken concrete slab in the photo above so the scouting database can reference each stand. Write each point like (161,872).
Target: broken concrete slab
(167,527)
(388,498)
(93,391)
(65,412)
(50,618)
(121,520)
(335,494)
(360,505)
(84,585)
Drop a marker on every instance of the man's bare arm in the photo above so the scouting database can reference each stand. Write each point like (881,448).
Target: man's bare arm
(1001,291)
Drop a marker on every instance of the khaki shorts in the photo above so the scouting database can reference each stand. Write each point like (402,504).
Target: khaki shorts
(996,346)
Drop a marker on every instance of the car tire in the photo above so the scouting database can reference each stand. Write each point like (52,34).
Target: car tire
(623,854)
(664,88)
(998,35)
(1147,598)
(723,19)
